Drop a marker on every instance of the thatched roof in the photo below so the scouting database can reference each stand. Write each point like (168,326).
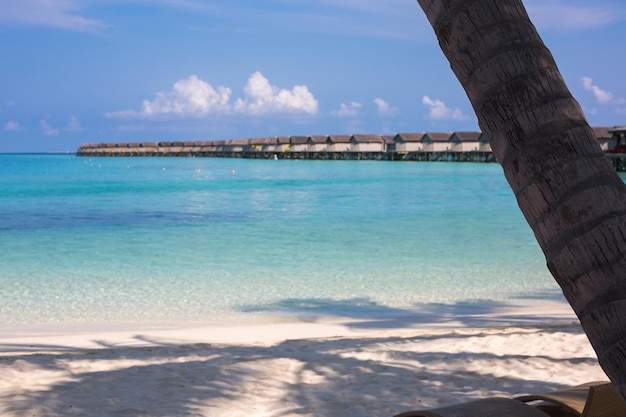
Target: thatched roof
(368,138)
(299,140)
(409,137)
(340,138)
(602,133)
(318,138)
(238,142)
(438,137)
(264,141)
(467,136)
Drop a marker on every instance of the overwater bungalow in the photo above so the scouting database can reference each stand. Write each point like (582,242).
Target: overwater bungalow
(282,144)
(187,148)
(339,143)
(272,144)
(466,141)
(409,142)
(203,147)
(218,146)
(299,143)
(89,148)
(437,142)
(236,145)
(148,148)
(367,143)
(317,143)
(262,144)
(177,147)
(167,147)
(196,148)
(123,149)
(484,145)
(619,132)
(619,136)
(389,143)
(453,146)
(606,138)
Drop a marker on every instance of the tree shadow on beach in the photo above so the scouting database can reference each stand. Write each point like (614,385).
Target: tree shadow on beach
(321,377)
(364,313)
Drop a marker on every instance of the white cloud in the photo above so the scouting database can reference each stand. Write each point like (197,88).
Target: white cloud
(193,97)
(439,111)
(12,126)
(46,129)
(601,96)
(383,107)
(190,97)
(262,97)
(346,110)
(62,14)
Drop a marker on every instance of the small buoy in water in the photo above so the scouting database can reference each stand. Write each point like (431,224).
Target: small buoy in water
(163,168)
(232,172)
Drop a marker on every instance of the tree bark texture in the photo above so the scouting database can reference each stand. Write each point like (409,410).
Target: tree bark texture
(569,193)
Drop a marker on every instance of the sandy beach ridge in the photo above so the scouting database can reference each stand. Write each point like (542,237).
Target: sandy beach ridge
(356,368)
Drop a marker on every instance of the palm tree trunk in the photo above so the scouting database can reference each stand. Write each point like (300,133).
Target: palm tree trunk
(569,193)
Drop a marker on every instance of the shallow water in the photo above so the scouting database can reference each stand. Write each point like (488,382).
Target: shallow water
(195,240)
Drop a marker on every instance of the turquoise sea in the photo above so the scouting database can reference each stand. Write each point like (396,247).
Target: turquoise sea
(198,240)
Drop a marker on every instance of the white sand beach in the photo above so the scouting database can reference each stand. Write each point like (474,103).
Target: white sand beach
(357,368)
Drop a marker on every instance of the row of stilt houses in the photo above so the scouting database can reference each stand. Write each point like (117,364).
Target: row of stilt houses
(453,146)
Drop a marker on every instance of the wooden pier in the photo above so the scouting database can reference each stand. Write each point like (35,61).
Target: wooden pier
(191,152)
(448,147)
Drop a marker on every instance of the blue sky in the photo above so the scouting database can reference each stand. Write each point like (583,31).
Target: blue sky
(84,71)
